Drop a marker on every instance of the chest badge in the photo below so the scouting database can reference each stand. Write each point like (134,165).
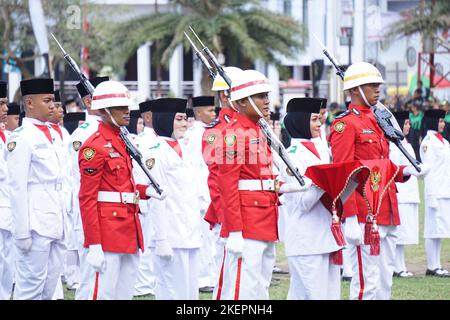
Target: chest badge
(339,127)
(11,146)
(211,138)
(375,179)
(76,145)
(230,140)
(89,153)
(150,163)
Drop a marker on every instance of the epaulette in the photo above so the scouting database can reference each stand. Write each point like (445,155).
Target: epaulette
(213,123)
(343,114)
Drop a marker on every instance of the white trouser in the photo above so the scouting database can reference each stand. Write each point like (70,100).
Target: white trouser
(6,264)
(86,271)
(372,275)
(72,268)
(433,251)
(207,261)
(219,251)
(117,281)
(347,270)
(177,279)
(314,277)
(59,291)
(146,278)
(400,264)
(38,270)
(248,277)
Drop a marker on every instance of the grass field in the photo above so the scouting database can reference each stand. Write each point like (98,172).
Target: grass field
(418,287)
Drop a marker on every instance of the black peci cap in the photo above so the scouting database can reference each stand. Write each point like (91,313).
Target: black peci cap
(37,86)
(13,109)
(307,105)
(3,89)
(203,101)
(173,105)
(145,106)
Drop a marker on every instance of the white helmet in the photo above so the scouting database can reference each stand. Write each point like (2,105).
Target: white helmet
(361,73)
(110,94)
(219,84)
(249,83)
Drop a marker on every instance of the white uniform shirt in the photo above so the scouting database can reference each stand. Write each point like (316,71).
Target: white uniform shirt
(308,225)
(408,192)
(175,218)
(78,137)
(437,155)
(6,218)
(193,143)
(36,176)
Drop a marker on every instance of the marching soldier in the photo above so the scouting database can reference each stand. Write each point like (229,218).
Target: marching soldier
(109,198)
(204,113)
(36,175)
(175,221)
(435,151)
(6,214)
(309,242)
(355,135)
(78,137)
(146,278)
(408,201)
(249,192)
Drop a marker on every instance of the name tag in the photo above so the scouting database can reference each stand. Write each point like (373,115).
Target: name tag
(369,131)
(254,141)
(114,155)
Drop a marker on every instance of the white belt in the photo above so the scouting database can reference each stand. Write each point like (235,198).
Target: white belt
(259,185)
(45,186)
(118,197)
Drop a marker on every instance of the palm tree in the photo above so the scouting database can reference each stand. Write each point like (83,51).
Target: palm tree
(241,30)
(427,19)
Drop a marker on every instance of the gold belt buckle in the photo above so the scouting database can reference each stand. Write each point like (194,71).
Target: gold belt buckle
(276,183)
(136,197)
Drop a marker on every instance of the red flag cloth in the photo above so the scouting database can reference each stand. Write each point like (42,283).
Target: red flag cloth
(382,175)
(333,179)
(44,128)
(2,135)
(57,129)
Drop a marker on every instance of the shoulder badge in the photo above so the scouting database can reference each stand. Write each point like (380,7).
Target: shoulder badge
(89,153)
(339,127)
(213,123)
(76,145)
(230,140)
(150,163)
(11,146)
(84,125)
(345,113)
(211,138)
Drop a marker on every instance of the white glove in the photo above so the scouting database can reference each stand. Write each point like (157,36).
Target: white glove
(164,250)
(432,203)
(235,244)
(295,186)
(24,244)
(352,230)
(411,171)
(96,258)
(151,192)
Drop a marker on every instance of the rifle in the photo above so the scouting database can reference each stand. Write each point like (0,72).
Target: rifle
(271,137)
(132,150)
(382,114)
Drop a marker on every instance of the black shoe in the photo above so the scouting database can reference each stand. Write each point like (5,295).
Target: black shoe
(346,278)
(206,289)
(438,272)
(279,270)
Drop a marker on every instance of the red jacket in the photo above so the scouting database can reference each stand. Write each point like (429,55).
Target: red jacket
(356,136)
(105,165)
(214,214)
(245,155)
